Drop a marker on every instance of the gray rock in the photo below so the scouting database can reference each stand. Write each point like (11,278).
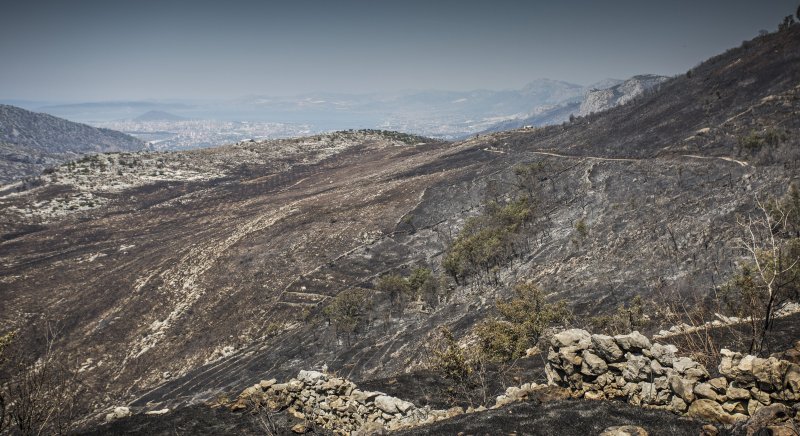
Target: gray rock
(632,341)
(677,404)
(637,368)
(664,354)
(607,348)
(572,338)
(391,405)
(311,377)
(593,364)
(681,364)
(734,393)
(682,388)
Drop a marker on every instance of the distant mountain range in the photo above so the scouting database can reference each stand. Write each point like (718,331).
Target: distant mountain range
(30,142)
(434,113)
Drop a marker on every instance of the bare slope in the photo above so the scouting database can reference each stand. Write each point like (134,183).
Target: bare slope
(178,275)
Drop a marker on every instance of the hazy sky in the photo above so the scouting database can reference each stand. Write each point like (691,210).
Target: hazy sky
(159,49)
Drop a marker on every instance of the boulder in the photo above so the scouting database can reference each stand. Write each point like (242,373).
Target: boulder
(682,364)
(632,341)
(392,405)
(734,393)
(311,377)
(709,410)
(678,405)
(118,413)
(704,390)
(664,354)
(767,417)
(571,338)
(593,364)
(607,348)
(637,368)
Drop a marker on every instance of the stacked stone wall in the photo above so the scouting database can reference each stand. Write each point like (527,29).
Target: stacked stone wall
(653,375)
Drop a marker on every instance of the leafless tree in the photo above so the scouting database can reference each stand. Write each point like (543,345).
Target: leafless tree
(769,277)
(42,395)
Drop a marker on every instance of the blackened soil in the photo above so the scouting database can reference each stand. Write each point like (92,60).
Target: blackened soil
(562,418)
(201,419)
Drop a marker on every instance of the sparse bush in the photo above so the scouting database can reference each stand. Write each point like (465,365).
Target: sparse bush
(522,321)
(420,285)
(624,320)
(348,311)
(581,228)
(487,241)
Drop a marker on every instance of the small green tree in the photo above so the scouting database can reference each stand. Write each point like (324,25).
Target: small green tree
(424,285)
(348,311)
(397,288)
(522,321)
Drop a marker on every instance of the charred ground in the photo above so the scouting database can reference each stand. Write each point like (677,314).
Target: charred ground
(175,277)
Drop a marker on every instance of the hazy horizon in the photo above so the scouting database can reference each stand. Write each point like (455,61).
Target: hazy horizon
(180,50)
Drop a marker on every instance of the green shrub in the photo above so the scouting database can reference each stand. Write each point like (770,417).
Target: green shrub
(348,310)
(522,321)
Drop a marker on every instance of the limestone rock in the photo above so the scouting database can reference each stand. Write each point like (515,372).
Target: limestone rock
(678,404)
(573,337)
(734,407)
(311,377)
(664,354)
(637,368)
(632,341)
(593,364)
(734,393)
(118,413)
(768,416)
(266,384)
(607,348)
(300,429)
(624,430)
(392,405)
(719,384)
(682,364)
(363,396)
(704,390)
(709,410)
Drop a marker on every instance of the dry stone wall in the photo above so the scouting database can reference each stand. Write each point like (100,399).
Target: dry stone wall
(337,404)
(653,375)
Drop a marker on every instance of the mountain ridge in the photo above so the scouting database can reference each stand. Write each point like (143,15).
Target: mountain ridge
(34,141)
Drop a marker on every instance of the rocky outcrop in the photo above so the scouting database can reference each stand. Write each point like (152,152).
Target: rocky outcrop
(598,100)
(653,375)
(337,404)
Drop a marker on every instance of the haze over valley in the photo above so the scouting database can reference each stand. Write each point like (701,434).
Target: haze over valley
(358,218)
